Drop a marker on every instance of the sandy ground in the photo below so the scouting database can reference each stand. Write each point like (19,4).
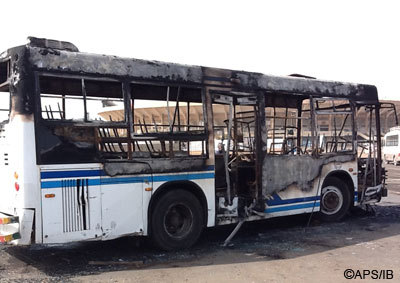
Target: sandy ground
(275,250)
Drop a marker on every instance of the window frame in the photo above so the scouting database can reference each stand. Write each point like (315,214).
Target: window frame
(174,136)
(318,112)
(164,84)
(6,84)
(85,122)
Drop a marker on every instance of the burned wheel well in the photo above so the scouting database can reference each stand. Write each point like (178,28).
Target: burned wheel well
(345,177)
(183,185)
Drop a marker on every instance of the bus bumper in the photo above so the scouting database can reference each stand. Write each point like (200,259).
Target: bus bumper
(374,194)
(16,229)
(9,228)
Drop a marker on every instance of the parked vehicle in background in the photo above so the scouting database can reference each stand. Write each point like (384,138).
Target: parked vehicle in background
(391,146)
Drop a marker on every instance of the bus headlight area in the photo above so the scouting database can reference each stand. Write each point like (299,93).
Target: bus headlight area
(98,147)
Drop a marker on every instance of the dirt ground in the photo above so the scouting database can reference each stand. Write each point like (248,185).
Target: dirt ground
(267,251)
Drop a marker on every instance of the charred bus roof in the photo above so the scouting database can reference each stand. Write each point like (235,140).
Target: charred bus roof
(64,57)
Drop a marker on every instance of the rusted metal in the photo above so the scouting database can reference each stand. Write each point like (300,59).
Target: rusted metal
(147,132)
(299,113)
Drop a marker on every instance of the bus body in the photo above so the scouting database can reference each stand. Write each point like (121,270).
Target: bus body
(391,147)
(72,174)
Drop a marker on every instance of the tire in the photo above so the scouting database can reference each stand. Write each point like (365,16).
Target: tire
(176,220)
(335,200)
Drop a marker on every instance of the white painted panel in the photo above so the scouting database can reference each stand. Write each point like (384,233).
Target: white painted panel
(67,217)
(207,186)
(18,154)
(121,209)
(52,215)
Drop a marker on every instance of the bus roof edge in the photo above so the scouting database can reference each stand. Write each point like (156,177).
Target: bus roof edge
(51,43)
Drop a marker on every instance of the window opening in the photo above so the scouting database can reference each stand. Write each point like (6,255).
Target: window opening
(168,121)
(334,125)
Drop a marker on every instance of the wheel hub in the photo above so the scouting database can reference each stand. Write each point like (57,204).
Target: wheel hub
(331,200)
(178,220)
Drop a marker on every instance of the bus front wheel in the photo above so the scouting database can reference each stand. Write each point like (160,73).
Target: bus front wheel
(335,200)
(176,220)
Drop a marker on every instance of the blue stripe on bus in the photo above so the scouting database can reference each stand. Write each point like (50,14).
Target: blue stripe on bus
(161,178)
(291,207)
(278,201)
(58,184)
(85,173)
(70,174)
(127,180)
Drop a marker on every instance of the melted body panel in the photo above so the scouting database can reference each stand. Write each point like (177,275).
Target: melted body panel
(280,172)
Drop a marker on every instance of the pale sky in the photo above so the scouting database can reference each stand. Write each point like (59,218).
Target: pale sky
(353,41)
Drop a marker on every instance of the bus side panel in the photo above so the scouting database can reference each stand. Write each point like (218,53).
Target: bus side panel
(208,188)
(71,202)
(122,206)
(293,201)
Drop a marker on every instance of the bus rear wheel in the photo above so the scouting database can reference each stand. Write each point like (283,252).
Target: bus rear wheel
(335,200)
(176,220)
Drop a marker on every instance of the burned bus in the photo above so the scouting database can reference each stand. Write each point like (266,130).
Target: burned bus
(229,146)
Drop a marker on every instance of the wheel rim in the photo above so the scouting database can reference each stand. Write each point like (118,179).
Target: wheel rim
(178,220)
(331,200)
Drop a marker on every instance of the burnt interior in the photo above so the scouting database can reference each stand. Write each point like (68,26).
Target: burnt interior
(68,128)
(277,140)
